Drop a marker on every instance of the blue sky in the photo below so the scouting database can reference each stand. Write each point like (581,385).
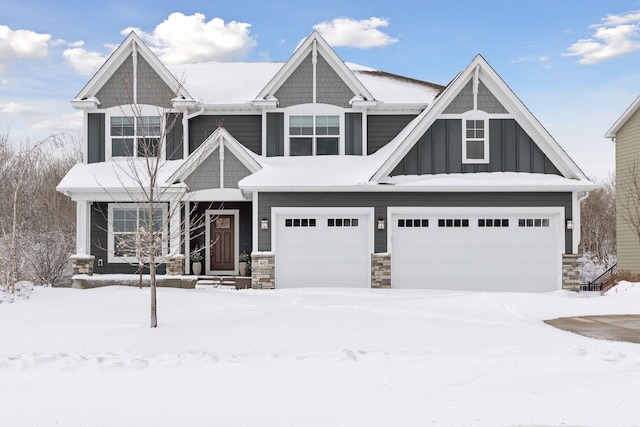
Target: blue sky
(574,63)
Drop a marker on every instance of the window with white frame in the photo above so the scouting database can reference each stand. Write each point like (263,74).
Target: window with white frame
(314,135)
(135,136)
(131,227)
(475,138)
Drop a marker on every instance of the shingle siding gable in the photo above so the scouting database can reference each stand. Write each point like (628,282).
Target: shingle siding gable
(463,102)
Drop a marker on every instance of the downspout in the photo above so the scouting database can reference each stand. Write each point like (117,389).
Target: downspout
(578,198)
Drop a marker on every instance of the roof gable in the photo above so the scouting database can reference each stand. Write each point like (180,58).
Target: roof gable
(507,99)
(629,112)
(132,43)
(219,138)
(315,44)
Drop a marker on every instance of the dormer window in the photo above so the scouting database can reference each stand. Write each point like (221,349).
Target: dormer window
(475,141)
(135,136)
(314,135)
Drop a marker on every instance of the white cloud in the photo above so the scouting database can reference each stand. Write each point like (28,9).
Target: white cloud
(363,34)
(183,39)
(22,44)
(82,60)
(15,108)
(542,60)
(616,35)
(62,123)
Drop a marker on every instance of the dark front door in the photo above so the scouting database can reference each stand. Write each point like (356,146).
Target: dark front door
(223,243)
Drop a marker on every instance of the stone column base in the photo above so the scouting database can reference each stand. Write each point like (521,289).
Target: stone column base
(175,265)
(263,270)
(381,271)
(82,264)
(571,272)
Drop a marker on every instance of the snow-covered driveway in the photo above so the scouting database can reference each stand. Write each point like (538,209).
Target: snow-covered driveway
(312,357)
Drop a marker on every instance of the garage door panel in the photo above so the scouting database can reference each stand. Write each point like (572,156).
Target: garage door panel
(498,251)
(335,252)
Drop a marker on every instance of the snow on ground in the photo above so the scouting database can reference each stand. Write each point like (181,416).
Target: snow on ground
(329,357)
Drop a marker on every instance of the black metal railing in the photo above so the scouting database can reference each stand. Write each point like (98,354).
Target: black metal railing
(603,282)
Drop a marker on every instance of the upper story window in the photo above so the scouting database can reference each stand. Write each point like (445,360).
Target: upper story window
(135,136)
(314,130)
(475,141)
(314,135)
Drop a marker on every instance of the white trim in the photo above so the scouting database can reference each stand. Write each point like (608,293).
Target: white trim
(83,227)
(630,111)
(174,227)
(314,110)
(135,111)
(255,227)
(111,257)
(475,115)
(558,214)
(236,237)
(187,237)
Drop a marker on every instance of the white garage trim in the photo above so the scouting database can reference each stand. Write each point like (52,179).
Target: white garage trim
(556,214)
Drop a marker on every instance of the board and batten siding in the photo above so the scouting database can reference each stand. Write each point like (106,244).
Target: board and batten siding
(381,129)
(247,129)
(627,152)
(381,201)
(439,151)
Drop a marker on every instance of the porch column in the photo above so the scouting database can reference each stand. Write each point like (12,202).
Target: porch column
(174,227)
(83,227)
(187,237)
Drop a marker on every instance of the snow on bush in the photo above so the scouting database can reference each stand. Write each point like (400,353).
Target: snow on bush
(23,291)
(591,267)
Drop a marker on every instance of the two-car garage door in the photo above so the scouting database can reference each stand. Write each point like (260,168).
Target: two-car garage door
(510,249)
(497,249)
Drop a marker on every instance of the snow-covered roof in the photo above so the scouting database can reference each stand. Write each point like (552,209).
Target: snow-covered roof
(241,82)
(113,176)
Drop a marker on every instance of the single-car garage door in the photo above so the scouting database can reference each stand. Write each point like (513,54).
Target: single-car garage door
(503,249)
(322,247)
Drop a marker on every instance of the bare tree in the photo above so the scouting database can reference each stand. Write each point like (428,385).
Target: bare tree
(598,222)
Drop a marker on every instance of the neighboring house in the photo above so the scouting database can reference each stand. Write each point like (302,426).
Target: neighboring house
(332,174)
(626,134)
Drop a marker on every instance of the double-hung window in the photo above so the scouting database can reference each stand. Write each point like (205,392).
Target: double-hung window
(314,135)
(475,141)
(131,229)
(135,136)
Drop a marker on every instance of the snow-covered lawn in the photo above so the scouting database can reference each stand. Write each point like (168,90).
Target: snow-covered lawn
(316,357)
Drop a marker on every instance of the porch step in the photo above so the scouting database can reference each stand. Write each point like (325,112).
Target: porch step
(229,282)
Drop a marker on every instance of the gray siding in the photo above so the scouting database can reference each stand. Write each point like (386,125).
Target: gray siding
(382,129)
(439,150)
(246,129)
(275,134)
(95,137)
(99,243)
(353,134)
(330,88)
(381,201)
(118,90)
(298,89)
(174,135)
(463,102)
(207,175)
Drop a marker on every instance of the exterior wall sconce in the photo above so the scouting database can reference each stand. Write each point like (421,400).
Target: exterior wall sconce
(264,224)
(569,224)
(380,223)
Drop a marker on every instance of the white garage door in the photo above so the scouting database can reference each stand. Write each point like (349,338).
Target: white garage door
(322,247)
(499,249)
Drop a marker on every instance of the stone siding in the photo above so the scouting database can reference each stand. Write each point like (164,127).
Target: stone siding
(175,265)
(571,272)
(381,271)
(263,270)
(82,264)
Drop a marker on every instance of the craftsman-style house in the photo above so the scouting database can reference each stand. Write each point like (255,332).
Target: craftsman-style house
(328,173)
